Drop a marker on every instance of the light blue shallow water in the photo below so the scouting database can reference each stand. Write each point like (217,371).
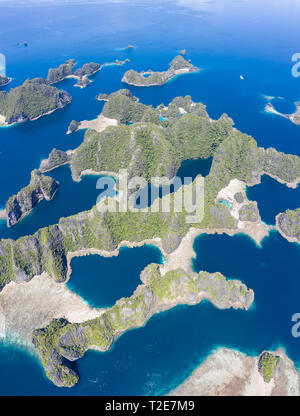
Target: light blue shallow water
(226,38)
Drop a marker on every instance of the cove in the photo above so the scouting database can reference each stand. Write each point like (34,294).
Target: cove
(71,198)
(273,197)
(101,281)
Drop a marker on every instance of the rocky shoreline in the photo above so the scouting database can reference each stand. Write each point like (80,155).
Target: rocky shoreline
(40,187)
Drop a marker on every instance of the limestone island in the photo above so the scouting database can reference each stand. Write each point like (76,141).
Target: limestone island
(294,118)
(60,73)
(84,72)
(40,187)
(66,70)
(30,101)
(147,147)
(288,224)
(227,372)
(55,159)
(73,127)
(150,78)
(4,80)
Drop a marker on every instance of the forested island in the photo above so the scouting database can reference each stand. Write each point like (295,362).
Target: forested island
(178,66)
(34,99)
(55,159)
(61,341)
(231,372)
(288,224)
(40,187)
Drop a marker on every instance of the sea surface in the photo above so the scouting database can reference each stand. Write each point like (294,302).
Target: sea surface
(226,38)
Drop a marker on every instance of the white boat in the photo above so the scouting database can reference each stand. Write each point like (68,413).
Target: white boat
(242,77)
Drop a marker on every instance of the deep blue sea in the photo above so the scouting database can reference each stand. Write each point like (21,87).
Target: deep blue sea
(226,38)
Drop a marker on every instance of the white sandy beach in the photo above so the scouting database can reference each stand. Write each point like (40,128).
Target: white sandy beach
(256,230)
(99,124)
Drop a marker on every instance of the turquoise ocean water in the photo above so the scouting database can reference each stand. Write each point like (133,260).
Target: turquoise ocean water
(226,39)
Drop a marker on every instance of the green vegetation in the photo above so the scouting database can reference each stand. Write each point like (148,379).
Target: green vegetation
(87,70)
(61,339)
(282,165)
(126,108)
(296,116)
(60,73)
(102,97)
(56,158)
(289,223)
(148,150)
(145,79)
(267,364)
(249,212)
(40,187)
(31,100)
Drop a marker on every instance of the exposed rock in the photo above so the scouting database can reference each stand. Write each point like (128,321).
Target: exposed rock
(87,70)
(61,339)
(31,100)
(60,73)
(56,158)
(73,127)
(267,365)
(40,187)
(239,197)
(149,78)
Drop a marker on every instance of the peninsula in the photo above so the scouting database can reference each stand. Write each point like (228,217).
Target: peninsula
(288,224)
(40,187)
(55,159)
(150,78)
(150,150)
(60,73)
